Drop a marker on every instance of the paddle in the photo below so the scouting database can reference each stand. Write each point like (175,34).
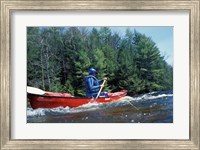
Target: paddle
(100,89)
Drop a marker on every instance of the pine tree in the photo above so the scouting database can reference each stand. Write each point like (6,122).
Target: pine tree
(81,70)
(148,62)
(34,68)
(126,65)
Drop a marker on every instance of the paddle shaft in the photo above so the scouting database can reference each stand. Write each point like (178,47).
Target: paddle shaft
(100,89)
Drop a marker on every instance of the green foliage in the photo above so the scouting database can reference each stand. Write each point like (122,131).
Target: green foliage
(58,60)
(80,67)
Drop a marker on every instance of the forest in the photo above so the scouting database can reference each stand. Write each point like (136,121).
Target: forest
(58,59)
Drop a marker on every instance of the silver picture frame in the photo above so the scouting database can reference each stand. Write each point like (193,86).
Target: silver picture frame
(8,6)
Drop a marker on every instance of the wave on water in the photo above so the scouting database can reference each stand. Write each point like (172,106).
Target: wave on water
(94,106)
(35,112)
(61,110)
(152,95)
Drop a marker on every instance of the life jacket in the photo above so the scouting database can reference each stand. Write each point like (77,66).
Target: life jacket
(92,86)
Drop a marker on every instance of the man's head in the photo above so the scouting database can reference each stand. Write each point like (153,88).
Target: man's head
(92,71)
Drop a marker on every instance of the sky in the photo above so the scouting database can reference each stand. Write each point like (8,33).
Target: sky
(162,36)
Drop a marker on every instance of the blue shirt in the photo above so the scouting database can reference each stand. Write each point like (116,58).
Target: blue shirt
(92,86)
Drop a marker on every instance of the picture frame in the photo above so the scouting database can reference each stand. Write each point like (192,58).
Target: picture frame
(7,7)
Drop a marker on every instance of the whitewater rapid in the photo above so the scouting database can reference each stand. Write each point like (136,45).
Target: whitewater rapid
(127,100)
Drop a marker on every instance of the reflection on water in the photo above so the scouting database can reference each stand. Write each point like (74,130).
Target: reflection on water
(155,107)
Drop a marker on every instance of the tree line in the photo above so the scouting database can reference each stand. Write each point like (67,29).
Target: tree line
(58,59)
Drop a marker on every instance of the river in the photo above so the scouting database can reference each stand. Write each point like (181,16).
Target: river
(154,107)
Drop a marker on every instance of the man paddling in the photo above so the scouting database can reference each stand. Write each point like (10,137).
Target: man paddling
(93,85)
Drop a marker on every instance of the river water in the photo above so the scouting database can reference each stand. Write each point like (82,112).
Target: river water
(154,107)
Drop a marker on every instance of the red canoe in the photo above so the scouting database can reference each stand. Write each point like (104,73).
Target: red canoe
(52,100)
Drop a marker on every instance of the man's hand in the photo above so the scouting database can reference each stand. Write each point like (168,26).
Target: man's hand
(101,85)
(105,78)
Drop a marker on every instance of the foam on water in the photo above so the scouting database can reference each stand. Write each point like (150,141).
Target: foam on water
(35,112)
(62,110)
(150,96)
(159,96)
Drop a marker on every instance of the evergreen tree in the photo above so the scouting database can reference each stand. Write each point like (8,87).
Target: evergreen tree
(148,62)
(127,67)
(34,66)
(81,70)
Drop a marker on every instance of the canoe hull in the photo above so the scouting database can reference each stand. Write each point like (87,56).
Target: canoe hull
(46,101)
